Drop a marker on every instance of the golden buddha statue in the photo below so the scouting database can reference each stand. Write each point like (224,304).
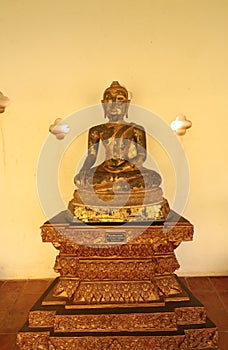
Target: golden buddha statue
(120,188)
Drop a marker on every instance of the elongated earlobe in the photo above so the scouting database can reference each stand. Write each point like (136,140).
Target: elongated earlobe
(105,115)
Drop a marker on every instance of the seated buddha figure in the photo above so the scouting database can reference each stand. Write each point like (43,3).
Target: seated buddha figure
(120,187)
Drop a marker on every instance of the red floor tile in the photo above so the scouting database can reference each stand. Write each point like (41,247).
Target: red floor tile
(220,283)
(223,341)
(8,342)
(36,286)
(11,321)
(223,296)
(8,300)
(199,283)
(25,302)
(1,283)
(13,286)
(10,291)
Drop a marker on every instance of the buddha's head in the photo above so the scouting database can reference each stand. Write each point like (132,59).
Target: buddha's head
(115,102)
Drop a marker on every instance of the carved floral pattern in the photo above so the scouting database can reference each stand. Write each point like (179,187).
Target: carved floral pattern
(110,269)
(191,315)
(33,340)
(115,268)
(115,292)
(105,343)
(168,285)
(157,235)
(202,338)
(194,339)
(65,288)
(115,322)
(41,318)
(179,233)
(121,251)
(118,322)
(166,264)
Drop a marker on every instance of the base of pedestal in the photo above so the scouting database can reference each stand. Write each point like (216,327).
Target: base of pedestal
(173,324)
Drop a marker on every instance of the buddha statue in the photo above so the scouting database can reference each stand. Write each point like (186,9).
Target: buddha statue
(120,188)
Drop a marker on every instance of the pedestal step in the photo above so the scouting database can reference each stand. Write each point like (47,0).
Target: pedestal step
(177,325)
(185,338)
(74,293)
(118,322)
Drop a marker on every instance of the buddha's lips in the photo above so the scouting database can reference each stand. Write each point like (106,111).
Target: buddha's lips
(114,112)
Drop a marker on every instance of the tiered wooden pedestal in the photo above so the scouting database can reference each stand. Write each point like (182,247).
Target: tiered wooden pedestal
(117,290)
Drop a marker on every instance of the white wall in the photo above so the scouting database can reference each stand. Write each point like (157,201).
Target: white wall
(58,57)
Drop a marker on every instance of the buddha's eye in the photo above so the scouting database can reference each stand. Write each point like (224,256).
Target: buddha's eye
(108,99)
(120,99)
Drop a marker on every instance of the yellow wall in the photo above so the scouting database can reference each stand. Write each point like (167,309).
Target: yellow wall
(58,56)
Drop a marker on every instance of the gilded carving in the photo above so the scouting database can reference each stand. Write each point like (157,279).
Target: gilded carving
(161,245)
(118,322)
(33,340)
(166,264)
(202,338)
(50,234)
(194,339)
(161,238)
(113,292)
(105,269)
(41,318)
(115,269)
(179,233)
(168,285)
(66,266)
(115,322)
(119,343)
(129,250)
(66,288)
(190,315)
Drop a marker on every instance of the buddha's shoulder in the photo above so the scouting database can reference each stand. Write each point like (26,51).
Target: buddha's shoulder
(97,128)
(137,126)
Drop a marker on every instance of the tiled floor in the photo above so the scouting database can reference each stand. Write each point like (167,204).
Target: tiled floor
(17,297)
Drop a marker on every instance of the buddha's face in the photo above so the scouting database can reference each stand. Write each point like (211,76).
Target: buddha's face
(115,104)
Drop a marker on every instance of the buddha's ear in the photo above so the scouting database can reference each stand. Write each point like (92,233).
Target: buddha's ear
(103,105)
(127,104)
